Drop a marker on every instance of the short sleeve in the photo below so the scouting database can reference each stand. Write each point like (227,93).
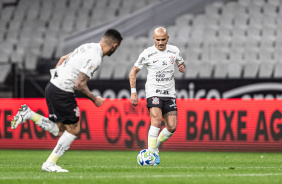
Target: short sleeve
(179,59)
(141,61)
(89,68)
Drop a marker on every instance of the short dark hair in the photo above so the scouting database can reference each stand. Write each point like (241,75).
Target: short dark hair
(113,34)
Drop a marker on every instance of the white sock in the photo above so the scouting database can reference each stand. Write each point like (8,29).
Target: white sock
(63,144)
(45,123)
(152,138)
(164,136)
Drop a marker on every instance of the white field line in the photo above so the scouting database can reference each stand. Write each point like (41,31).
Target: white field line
(180,167)
(164,167)
(68,176)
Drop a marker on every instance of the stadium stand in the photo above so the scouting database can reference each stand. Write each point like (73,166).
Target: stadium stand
(237,39)
(37,25)
(31,30)
(230,39)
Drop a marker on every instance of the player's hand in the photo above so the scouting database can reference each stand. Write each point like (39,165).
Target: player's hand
(134,99)
(181,68)
(99,101)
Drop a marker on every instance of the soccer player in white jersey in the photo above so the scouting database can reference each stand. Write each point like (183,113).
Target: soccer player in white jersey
(71,73)
(160,87)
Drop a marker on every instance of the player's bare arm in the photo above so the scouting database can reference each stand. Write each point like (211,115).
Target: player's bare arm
(81,85)
(182,67)
(62,59)
(132,81)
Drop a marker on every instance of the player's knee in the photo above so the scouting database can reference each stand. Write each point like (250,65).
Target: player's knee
(156,122)
(76,130)
(61,127)
(73,129)
(156,118)
(172,128)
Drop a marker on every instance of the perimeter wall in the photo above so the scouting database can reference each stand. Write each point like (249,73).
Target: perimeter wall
(203,125)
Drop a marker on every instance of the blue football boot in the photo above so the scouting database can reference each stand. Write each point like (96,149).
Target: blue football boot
(158,160)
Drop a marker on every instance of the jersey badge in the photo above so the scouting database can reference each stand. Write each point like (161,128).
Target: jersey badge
(76,110)
(90,67)
(171,59)
(156,100)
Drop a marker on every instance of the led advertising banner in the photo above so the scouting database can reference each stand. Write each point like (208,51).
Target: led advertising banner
(192,88)
(203,125)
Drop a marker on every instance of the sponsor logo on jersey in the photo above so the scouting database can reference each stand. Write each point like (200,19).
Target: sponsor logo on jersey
(141,60)
(163,92)
(156,100)
(164,71)
(149,55)
(164,63)
(162,77)
(171,59)
(169,51)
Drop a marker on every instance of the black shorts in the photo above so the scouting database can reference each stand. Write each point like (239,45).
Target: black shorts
(62,105)
(166,104)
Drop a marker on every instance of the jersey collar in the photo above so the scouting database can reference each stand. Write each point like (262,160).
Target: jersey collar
(162,51)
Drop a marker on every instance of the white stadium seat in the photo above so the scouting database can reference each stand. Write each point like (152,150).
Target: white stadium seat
(192,69)
(20,14)
(7,13)
(234,39)
(184,20)
(31,58)
(205,70)
(177,74)
(106,71)
(121,71)
(251,68)
(220,70)
(266,69)
(234,70)
(278,70)
(142,74)
(244,2)
(89,4)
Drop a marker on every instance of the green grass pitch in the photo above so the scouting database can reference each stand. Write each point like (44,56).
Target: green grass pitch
(114,167)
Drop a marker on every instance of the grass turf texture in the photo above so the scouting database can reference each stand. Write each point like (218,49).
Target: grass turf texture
(24,166)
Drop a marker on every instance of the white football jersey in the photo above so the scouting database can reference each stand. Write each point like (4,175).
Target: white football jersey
(160,65)
(86,59)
